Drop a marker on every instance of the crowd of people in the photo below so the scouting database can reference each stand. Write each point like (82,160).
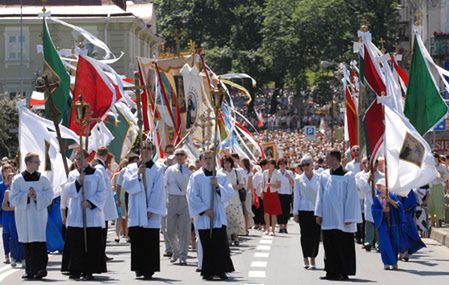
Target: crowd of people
(195,204)
(286,115)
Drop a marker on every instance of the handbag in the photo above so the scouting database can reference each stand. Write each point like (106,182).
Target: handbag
(242,192)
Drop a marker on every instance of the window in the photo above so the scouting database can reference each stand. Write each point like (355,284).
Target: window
(14,43)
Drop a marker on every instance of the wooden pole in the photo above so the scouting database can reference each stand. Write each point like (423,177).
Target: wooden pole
(54,115)
(139,124)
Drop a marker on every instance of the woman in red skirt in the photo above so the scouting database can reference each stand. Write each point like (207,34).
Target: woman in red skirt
(272,204)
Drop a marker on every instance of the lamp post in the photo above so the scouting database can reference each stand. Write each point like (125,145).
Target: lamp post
(81,108)
(217,100)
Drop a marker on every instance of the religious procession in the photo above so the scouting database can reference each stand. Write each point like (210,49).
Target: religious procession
(251,142)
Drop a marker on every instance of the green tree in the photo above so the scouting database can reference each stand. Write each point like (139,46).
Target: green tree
(9,122)
(275,41)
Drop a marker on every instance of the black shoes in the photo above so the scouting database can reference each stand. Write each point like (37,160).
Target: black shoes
(168,254)
(335,277)
(27,276)
(222,276)
(87,277)
(283,231)
(146,276)
(208,277)
(38,276)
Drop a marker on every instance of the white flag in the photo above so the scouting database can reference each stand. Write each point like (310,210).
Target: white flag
(37,134)
(409,158)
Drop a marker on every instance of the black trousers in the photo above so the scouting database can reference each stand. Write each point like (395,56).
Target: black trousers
(76,260)
(105,236)
(310,234)
(36,257)
(145,255)
(258,213)
(286,202)
(216,252)
(339,252)
(360,234)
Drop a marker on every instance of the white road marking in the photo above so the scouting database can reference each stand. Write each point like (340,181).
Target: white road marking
(263,247)
(259,264)
(257,274)
(7,273)
(262,254)
(267,237)
(266,241)
(4,268)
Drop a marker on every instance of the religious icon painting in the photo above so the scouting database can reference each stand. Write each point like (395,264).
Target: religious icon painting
(412,150)
(270,150)
(192,106)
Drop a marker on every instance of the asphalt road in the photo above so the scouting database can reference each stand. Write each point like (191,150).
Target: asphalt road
(261,260)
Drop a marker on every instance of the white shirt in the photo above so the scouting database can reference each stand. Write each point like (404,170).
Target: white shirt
(286,188)
(257,183)
(31,214)
(199,194)
(137,202)
(95,192)
(110,208)
(275,177)
(338,203)
(305,192)
(175,181)
(353,166)
(361,182)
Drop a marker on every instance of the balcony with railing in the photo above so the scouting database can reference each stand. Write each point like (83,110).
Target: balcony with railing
(439,46)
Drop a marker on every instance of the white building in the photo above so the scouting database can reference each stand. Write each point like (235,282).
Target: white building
(132,31)
(431,17)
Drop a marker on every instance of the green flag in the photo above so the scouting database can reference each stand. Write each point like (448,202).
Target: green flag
(423,105)
(124,132)
(57,105)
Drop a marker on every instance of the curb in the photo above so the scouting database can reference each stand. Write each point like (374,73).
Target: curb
(440,235)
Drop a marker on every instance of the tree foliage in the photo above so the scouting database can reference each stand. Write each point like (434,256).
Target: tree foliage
(275,41)
(9,122)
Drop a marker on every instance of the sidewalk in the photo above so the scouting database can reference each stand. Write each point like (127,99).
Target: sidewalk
(441,235)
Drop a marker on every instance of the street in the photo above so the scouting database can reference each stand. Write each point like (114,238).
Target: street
(262,260)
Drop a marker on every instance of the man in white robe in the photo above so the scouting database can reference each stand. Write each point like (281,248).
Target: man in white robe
(202,185)
(178,220)
(110,208)
(146,207)
(79,261)
(31,194)
(337,210)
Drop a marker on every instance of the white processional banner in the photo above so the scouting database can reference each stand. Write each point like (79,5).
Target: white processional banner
(409,157)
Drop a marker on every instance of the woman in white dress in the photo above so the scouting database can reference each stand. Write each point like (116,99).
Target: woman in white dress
(247,177)
(234,211)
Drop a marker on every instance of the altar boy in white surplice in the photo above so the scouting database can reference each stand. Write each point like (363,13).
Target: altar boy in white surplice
(31,194)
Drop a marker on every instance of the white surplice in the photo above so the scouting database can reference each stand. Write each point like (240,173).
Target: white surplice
(110,208)
(338,202)
(199,193)
(94,190)
(137,202)
(31,214)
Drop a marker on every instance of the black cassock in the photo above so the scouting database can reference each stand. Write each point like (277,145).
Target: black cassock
(145,255)
(216,252)
(36,257)
(75,259)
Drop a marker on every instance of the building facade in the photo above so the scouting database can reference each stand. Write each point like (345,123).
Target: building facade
(431,18)
(132,32)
